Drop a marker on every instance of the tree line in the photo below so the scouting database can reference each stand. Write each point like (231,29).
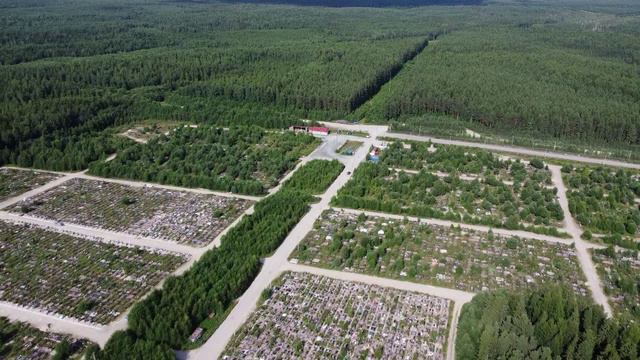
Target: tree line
(272,84)
(545,323)
(315,176)
(165,319)
(546,81)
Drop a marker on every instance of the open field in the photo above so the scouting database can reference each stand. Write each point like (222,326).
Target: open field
(441,256)
(180,216)
(21,341)
(477,187)
(245,160)
(606,202)
(311,317)
(14,182)
(75,277)
(620,274)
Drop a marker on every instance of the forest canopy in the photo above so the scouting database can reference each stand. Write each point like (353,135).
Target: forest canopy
(546,323)
(245,160)
(69,76)
(545,80)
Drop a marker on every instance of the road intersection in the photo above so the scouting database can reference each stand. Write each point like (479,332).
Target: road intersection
(278,262)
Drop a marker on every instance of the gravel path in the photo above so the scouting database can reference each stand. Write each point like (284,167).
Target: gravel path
(447,223)
(516,150)
(582,247)
(276,264)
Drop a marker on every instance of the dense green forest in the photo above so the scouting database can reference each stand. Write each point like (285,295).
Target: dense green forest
(547,323)
(244,160)
(552,81)
(83,67)
(604,201)
(315,176)
(69,70)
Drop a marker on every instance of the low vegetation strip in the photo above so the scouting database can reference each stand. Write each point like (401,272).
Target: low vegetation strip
(548,323)
(315,177)
(206,292)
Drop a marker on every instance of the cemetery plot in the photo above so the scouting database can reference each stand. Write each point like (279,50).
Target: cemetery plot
(185,217)
(620,274)
(14,182)
(21,341)
(313,317)
(606,202)
(75,277)
(244,160)
(467,163)
(442,256)
(528,205)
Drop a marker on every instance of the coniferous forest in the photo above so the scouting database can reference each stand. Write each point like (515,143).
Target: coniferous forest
(546,323)
(75,75)
(74,72)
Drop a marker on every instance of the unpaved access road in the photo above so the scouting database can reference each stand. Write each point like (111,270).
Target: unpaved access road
(582,247)
(275,265)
